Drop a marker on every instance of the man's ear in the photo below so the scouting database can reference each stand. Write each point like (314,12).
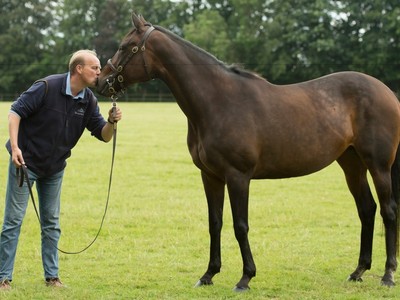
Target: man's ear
(79,68)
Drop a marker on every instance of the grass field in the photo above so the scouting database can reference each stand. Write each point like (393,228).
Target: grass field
(304,232)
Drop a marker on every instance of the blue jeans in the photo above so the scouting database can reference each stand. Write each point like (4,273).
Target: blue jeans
(49,191)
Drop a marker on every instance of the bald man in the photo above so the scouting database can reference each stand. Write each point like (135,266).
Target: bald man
(45,123)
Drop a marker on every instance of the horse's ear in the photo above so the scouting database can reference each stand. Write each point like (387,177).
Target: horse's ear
(137,23)
(142,19)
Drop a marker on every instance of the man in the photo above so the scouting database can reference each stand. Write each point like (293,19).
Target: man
(45,123)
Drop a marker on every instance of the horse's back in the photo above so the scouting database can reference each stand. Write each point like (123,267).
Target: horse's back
(347,88)
(364,100)
(310,124)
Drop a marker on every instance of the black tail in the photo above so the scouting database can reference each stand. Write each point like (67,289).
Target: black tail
(396,190)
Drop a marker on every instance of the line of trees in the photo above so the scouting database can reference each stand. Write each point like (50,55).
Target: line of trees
(285,41)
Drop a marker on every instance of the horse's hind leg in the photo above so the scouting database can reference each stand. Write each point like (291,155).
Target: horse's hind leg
(382,181)
(214,190)
(356,178)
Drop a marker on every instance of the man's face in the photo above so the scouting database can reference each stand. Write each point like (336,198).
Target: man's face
(90,71)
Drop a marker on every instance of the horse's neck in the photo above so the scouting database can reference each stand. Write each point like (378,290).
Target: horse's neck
(193,77)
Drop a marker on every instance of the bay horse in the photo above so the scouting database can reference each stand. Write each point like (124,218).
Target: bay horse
(241,127)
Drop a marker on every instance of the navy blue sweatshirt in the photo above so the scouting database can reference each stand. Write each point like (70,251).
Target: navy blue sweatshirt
(52,123)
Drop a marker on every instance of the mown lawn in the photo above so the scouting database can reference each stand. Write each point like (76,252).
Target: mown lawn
(304,232)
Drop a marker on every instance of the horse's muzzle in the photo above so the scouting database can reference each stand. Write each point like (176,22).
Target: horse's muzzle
(102,87)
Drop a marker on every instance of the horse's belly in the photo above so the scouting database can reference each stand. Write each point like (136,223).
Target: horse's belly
(297,161)
(289,171)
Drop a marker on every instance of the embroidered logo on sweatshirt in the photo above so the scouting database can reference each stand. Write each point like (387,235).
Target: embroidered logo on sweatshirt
(79,112)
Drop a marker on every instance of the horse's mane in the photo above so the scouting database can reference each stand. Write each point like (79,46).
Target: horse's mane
(249,74)
(233,68)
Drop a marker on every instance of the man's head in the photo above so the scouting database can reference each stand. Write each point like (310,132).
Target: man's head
(85,65)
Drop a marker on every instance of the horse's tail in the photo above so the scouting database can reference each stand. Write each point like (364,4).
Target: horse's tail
(396,191)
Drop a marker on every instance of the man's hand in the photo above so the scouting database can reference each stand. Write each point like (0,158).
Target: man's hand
(114,115)
(17,157)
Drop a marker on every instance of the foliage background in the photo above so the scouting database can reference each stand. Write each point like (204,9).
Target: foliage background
(285,41)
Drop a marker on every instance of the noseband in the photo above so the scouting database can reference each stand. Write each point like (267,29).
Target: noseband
(116,71)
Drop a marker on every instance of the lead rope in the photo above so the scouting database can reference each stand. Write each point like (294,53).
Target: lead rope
(23,176)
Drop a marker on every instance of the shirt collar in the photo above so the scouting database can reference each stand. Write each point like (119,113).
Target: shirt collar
(68,89)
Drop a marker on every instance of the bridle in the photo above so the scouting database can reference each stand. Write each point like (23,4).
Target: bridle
(117,71)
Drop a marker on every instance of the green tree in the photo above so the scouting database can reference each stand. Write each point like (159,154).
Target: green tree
(370,34)
(285,41)
(112,23)
(299,42)
(23,28)
(246,30)
(209,31)
(76,29)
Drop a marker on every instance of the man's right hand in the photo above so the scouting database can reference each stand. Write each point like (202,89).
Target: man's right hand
(17,157)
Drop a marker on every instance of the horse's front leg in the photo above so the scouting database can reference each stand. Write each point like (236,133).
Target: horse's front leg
(214,190)
(238,189)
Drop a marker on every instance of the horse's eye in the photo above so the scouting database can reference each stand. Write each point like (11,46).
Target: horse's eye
(121,48)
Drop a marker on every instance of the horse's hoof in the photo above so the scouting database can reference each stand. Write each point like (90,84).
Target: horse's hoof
(355,279)
(241,289)
(388,279)
(388,283)
(203,283)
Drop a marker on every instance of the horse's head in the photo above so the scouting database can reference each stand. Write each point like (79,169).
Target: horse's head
(130,64)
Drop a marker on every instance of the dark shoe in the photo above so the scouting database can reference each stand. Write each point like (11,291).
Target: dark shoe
(54,282)
(5,285)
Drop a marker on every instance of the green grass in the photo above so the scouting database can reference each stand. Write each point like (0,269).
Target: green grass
(304,232)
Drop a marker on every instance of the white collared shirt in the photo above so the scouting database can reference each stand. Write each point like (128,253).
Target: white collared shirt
(68,89)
